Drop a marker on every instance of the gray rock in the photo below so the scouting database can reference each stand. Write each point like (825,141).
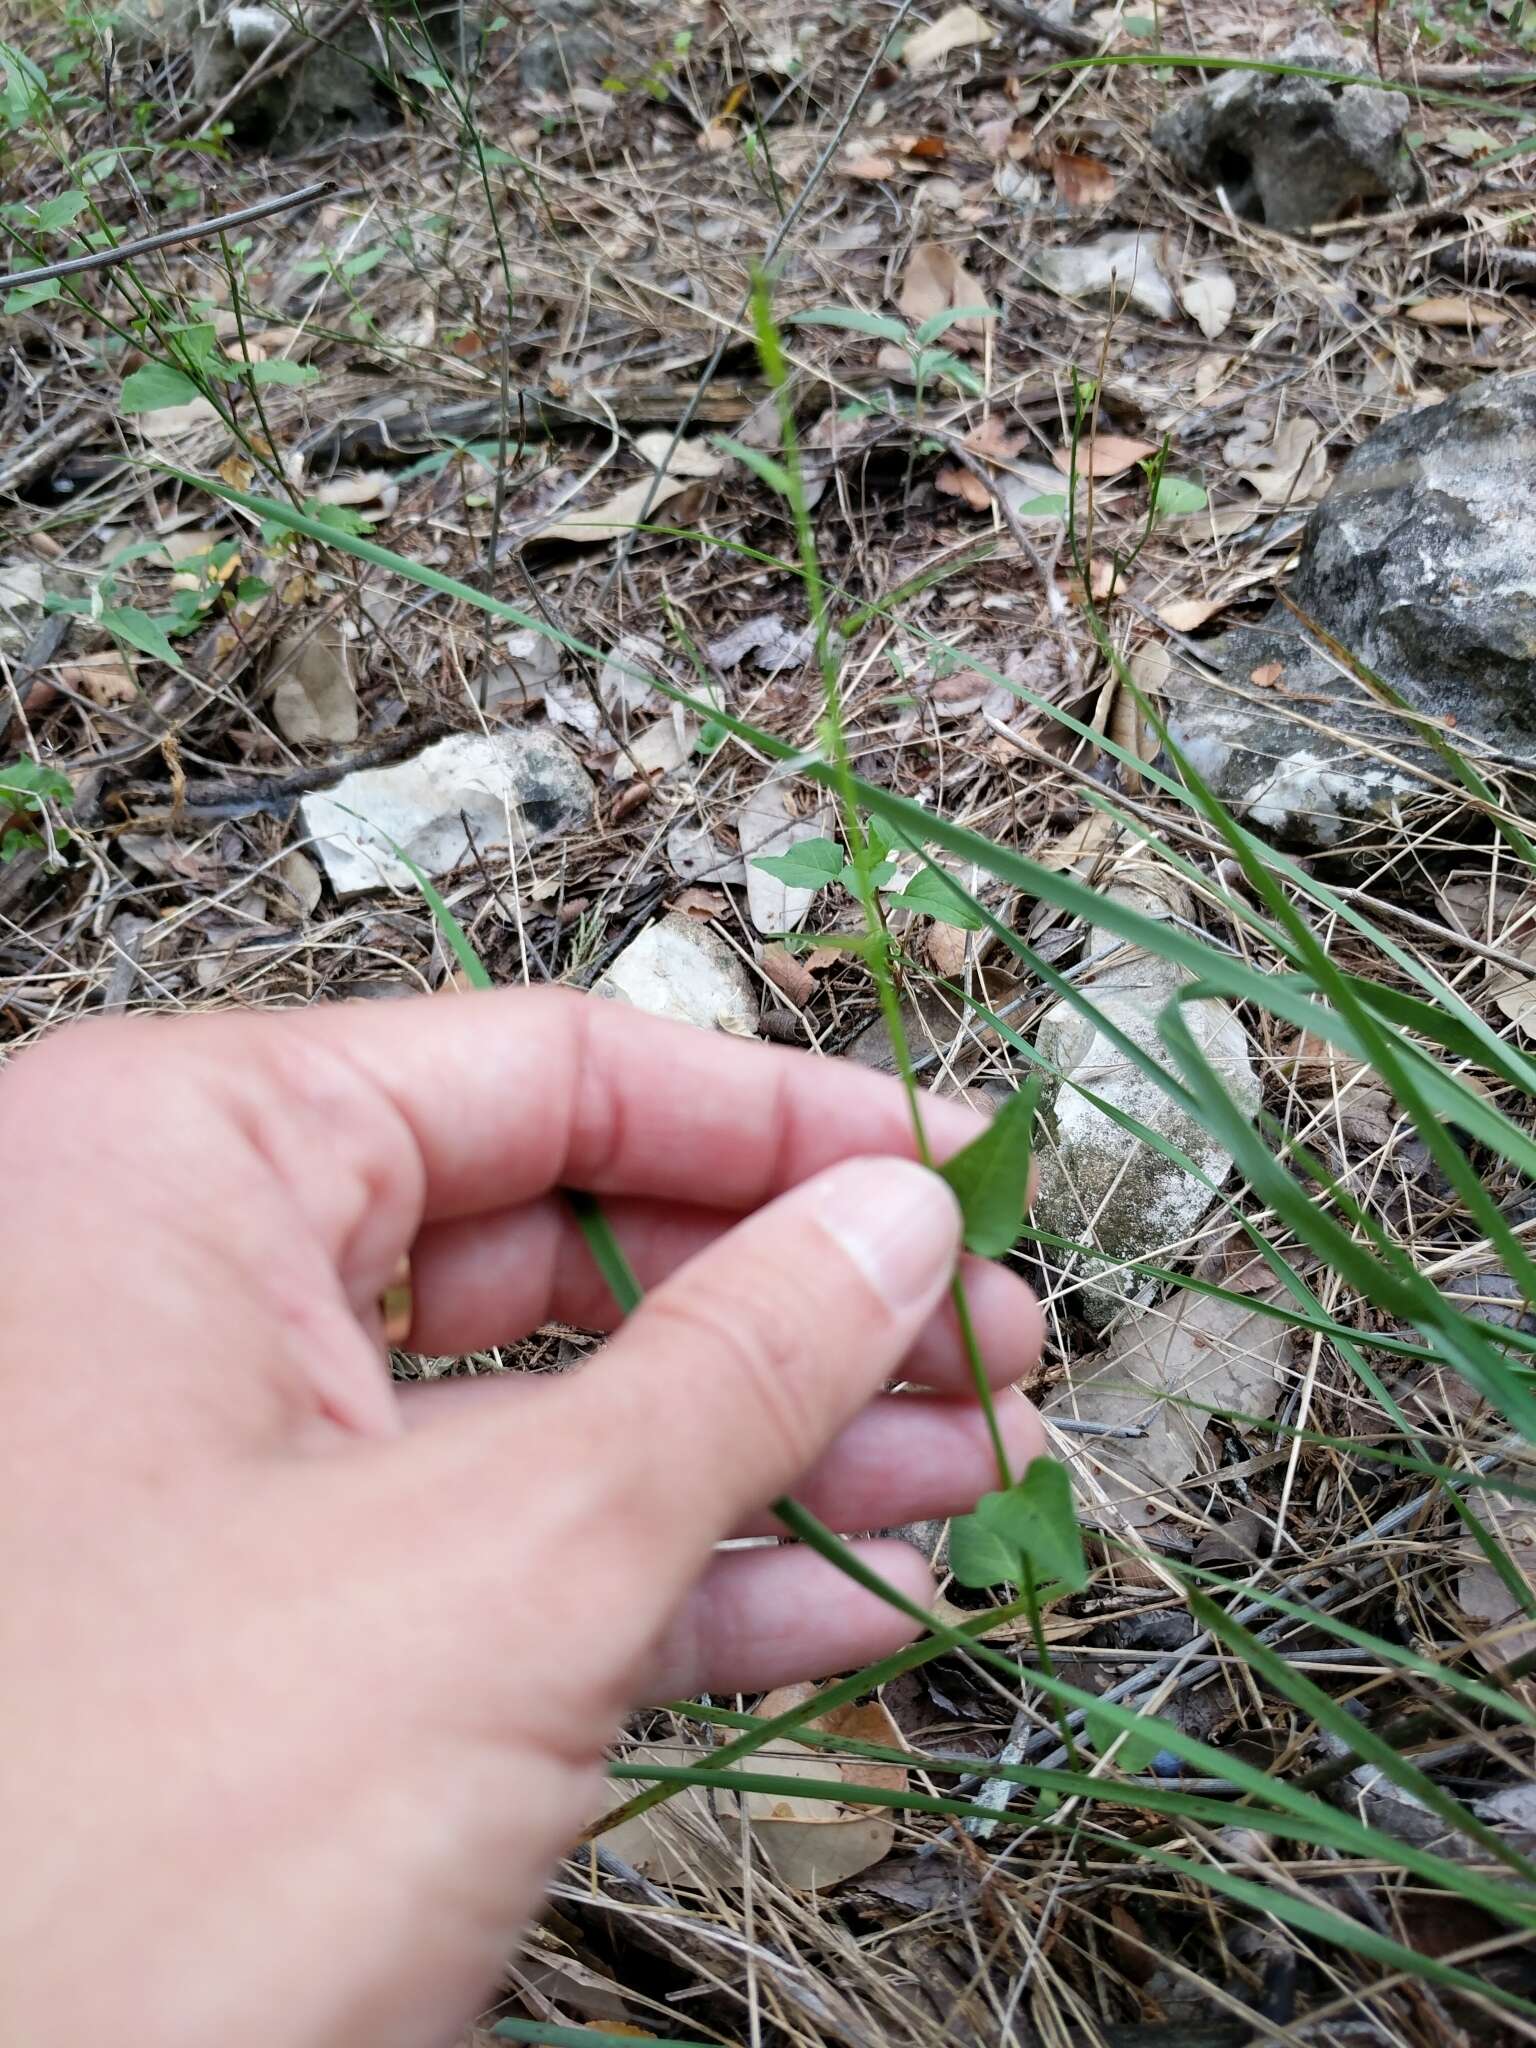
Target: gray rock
(531,666)
(343,85)
(1291,152)
(1100,1184)
(423,806)
(1421,561)
(680,967)
(568,49)
(21,605)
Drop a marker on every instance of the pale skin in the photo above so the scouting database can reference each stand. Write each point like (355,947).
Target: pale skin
(307,1676)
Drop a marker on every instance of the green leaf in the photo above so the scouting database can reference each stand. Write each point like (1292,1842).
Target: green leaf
(1053,505)
(1028,1533)
(25,783)
(939,362)
(279,371)
(772,472)
(1037,1517)
(57,213)
(1139,25)
(932,895)
(990,1177)
(138,629)
(340,518)
(940,323)
(978,1556)
(855,319)
(196,343)
(156,386)
(1177,496)
(26,296)
(810,864)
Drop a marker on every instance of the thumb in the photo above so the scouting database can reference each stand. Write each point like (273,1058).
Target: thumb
(733,1377)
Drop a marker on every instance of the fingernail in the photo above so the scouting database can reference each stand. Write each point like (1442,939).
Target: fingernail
(897,1221)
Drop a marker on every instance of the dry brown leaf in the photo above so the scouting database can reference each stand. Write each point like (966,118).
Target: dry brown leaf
(1480,1592)
(945,946)
(813,1843)
(1209,1350)
(186,543)
(618,514)
(315,698)
(1318,1067)
(954,482)
(168,423)
(864,164)
(996,137)
(1514,992)
(1077,850)
(1128,729)
(1104,455)
(678,1843)
(1186,614)
(359,487)
(936,281)
(789,975)
(106,679)
(1292,469)
(1082,180)
(1210,299)
(958,28)
(1266,675)
(697,902)
(1455,312)
(1151,666)
(994,440)
(299,878)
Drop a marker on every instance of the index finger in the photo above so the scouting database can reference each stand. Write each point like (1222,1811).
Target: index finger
(507,1095)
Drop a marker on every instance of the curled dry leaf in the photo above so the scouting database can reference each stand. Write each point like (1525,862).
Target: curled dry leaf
(617,514)
(1121,266)
(1188,614)
(951,481)
(1082,180)
(1291,469)
(789,975)
(1514,992)
(958,28)
(867,165)
(813,1843)
(315,698)
(945,946)
(359,487)
(679,1843)
(1104,455)
(106,679)
(1482,1594)
(1210,299)
(935,282)
(1455,312)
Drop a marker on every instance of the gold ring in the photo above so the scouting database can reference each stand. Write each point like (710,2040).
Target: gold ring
(397,1305)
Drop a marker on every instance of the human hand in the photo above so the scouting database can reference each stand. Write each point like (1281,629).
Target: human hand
(308,1675)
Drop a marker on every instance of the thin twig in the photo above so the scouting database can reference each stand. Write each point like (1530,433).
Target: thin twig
(125,252)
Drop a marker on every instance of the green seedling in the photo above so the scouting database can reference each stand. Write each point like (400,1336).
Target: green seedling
(25,787)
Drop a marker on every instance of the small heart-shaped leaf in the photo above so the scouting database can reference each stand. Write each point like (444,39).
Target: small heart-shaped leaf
(991,1176)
